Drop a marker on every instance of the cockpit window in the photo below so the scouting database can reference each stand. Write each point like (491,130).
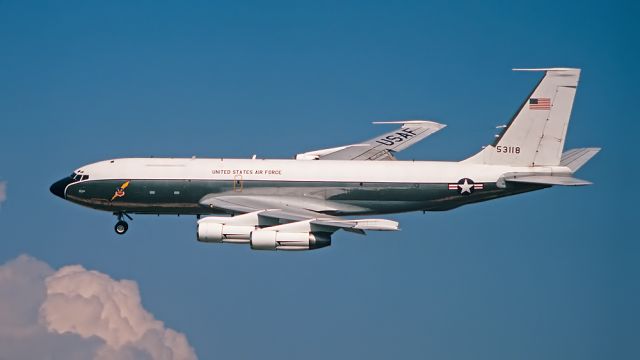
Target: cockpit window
(78,177)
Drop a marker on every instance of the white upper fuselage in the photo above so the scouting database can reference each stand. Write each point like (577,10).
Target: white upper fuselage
(304,170)
(196,186)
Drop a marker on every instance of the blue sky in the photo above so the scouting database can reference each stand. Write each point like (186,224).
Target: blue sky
(552,274)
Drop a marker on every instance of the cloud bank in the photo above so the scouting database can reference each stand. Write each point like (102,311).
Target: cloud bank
(74,313)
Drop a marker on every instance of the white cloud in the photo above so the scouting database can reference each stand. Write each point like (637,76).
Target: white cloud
(3,192)
(74,313)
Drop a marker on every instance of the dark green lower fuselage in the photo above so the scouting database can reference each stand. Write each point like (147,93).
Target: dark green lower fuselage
(183,196)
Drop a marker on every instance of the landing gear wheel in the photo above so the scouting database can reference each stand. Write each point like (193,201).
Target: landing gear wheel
(121,227)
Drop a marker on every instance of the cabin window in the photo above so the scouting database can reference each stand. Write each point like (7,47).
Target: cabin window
(85,177)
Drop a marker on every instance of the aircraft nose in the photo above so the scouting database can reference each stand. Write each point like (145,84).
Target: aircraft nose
(57,188)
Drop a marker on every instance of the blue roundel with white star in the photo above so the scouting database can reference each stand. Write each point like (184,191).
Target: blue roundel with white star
(466,186)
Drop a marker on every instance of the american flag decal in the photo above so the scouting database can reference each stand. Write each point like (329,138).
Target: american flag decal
(540,104)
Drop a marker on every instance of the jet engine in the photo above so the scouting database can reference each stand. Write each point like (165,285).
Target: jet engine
(278,240)
(223,233)
(266,233)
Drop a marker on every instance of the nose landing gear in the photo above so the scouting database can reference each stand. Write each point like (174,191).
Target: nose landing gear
(122,226)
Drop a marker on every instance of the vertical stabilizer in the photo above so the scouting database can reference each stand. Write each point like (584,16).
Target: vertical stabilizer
(535,136)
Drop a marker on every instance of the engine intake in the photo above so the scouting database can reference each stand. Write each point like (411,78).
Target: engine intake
(277,240)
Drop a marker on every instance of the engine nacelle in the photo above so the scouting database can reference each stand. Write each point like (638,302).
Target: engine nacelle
(277,240)
(221,233)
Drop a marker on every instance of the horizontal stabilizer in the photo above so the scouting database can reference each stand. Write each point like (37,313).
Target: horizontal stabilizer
(548,180)
(574,159)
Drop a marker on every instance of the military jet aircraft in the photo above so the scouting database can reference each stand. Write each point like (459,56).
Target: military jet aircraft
(297,204)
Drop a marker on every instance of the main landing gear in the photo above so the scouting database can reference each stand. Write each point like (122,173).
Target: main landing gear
(122,226)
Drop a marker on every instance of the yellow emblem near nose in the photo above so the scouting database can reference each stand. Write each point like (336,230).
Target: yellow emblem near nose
(120,191)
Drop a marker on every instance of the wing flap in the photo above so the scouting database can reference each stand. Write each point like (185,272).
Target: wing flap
(360,224)
(335,224)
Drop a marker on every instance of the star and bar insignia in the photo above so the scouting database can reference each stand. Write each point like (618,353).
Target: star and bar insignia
(466,186)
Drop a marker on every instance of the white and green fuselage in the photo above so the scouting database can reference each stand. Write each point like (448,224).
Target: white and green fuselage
(337,187)
(297,204)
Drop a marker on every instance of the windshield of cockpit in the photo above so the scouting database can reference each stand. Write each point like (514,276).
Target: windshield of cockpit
(78,177)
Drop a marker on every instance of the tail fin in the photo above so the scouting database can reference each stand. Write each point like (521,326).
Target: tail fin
(535,136)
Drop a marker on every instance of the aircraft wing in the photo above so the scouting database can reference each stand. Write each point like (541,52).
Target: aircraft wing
(382,147)
(281,211)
